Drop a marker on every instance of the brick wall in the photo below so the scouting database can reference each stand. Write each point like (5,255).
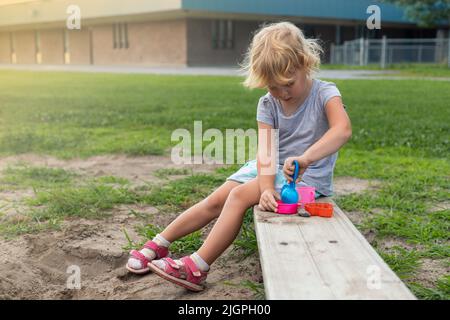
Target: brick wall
(5,48)
(79,46)
(25,46)
(52,46)
(150,43)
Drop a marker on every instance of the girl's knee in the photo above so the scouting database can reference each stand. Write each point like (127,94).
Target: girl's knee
(213,204)
(215,201)
(240,195)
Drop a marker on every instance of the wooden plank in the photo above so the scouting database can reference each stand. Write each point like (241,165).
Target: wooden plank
(321,258)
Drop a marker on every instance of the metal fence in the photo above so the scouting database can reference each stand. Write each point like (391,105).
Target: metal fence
(387,51)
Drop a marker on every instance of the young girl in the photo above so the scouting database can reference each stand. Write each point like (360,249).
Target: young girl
(310,125)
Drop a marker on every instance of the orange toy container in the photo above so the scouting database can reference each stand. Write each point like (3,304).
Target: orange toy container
(320,209)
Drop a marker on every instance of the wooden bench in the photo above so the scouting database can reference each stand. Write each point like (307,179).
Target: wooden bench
(321,258)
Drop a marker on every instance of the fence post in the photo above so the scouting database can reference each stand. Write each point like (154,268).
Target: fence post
(419,54)
(344,53)
(383,52)
(448,50)
(440,50)
(361,51)
(366,52)
(332,53)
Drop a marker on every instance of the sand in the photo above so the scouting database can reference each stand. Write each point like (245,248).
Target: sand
(35,266)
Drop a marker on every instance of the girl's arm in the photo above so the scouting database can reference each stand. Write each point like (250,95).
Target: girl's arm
(337,135)
(266,161)
(267,165)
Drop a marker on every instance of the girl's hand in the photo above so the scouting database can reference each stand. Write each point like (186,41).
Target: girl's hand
(289,167)
(268,202)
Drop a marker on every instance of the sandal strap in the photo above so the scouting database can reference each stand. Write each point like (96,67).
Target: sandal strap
(172,263)
(139,256)
(191,266)
(160,251)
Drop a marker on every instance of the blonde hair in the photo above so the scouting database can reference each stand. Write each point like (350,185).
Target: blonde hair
(276,52)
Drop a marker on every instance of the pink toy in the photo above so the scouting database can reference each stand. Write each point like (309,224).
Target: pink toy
(306,195)
(286,208)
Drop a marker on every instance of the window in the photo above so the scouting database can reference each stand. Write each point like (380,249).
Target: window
(115,42)
(120,36)
(125,35)
(222,34)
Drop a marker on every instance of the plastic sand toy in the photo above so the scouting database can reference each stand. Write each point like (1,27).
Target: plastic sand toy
(289,195)
(306,195)
(286,208)
(288,192)
(320,209)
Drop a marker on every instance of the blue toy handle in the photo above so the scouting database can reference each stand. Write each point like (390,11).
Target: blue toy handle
(296,170)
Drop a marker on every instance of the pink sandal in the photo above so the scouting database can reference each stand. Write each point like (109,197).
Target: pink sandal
(160,251)
(186,275)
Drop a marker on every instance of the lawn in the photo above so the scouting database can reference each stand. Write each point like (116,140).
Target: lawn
(403,69)
(400,138)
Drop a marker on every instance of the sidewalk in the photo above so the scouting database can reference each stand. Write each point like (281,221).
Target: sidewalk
(210,71)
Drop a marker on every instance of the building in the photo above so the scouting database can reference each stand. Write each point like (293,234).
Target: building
(176,32)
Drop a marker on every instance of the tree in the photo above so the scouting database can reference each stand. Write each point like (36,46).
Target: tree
(427,13)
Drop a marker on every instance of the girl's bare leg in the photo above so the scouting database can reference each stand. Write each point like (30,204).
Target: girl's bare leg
(199,214)
(230,220)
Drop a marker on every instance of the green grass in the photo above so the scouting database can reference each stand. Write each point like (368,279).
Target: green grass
(246,241)
(58,194)
(136,114)
(32,222)
(49,207)
(183,193)
(439,292)
(22,175)
(404,69)
(91,200)
(404,262)
(410,187)
(400,137)
(113,180)
(164,173)
(256,288)
(80,114)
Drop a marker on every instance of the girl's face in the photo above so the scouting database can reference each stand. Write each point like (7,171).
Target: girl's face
(292,91)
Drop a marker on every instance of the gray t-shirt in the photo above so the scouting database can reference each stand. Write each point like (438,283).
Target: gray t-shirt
(302,129)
